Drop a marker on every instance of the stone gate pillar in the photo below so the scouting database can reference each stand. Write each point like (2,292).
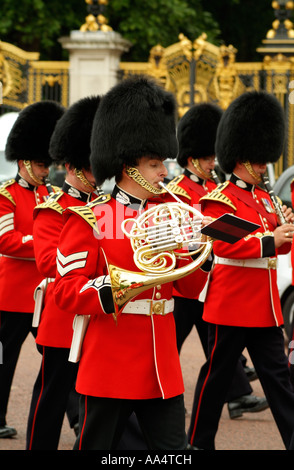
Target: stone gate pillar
(94,54)
(94,58)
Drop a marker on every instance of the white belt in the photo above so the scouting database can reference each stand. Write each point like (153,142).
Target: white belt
(150,307)
(261,263)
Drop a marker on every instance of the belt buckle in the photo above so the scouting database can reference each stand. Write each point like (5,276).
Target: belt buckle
(272,263)
(157,308)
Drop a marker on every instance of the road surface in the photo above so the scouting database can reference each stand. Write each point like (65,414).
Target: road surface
(256,431)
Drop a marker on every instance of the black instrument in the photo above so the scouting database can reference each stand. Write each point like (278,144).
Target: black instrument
(274,199)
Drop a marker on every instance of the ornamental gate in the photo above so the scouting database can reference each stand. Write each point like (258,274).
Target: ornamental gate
(195,71)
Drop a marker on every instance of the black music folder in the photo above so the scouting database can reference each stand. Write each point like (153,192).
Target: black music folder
(229,228)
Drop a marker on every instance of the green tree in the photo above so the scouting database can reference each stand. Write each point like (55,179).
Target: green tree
(146,24)
(36,25)
(243,23)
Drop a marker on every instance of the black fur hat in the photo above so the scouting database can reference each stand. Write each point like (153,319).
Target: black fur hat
(251,129)
(197,132)
(70,141)
(135,118)
(30,135)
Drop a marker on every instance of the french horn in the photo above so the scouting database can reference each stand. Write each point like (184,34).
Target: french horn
(159,237)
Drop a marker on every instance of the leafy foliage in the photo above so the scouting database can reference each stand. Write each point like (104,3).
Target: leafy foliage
(36,25)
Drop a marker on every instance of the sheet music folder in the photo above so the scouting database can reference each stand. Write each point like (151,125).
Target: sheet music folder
(229,228)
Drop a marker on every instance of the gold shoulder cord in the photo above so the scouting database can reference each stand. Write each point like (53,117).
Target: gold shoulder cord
(5,193)
(218,196)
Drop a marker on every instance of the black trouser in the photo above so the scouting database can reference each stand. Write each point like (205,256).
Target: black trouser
(52,390)
(14,328)
(188,313)
(102,422)
(266,349)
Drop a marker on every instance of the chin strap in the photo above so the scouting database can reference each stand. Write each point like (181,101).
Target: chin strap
(29,169)
(80,175)
(136,176)
(252,173)
(196,164)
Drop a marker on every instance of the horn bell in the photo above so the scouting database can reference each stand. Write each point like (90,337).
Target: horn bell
(126,285)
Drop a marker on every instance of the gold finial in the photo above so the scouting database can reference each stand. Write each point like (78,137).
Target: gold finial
(193,50)
(96,20)
(282,23)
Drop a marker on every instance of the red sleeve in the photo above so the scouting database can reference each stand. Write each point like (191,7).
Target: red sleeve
(47,227)
(77,260)
(13,242)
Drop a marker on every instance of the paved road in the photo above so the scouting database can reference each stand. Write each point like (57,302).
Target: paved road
(251,432)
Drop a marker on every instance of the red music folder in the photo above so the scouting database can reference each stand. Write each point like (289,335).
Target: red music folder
(229,228)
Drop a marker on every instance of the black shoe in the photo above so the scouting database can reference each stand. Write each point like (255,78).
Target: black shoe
(189,447)
(76,429)
(246,404)
(251,373)
(6,431)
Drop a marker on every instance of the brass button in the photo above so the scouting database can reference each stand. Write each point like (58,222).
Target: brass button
(158,295)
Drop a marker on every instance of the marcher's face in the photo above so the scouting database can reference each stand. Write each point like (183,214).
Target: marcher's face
(250,176)
(259,168)
(153,170)
(37,170)
(40,170)
(89,176)
(207,163)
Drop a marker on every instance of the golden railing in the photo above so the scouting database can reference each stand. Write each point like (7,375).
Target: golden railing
(194,71)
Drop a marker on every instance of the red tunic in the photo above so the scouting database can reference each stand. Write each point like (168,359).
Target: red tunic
(244,296)
(19,275)
(136,358)
(55,328)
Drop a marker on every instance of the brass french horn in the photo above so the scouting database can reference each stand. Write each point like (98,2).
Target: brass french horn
(159,237)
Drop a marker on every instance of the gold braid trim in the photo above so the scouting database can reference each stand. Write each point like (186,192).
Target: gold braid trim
(178,190)
(5,193)
(218,196)
(86,211)
(50,203)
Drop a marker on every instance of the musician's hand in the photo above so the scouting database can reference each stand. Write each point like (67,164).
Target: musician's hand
(283,234)
(206,220)
(288,214)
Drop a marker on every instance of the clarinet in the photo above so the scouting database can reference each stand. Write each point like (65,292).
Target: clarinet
(274,199)
(215,177)
(48,186)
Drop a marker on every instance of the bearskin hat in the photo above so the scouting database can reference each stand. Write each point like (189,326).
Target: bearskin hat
(251,129)
(70,141)
(30,135)
(135,118)
(197,132)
